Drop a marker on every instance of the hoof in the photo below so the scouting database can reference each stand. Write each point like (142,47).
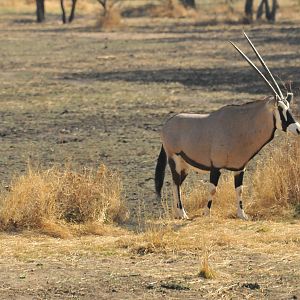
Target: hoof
(207,212)
(181,214)
(241,215)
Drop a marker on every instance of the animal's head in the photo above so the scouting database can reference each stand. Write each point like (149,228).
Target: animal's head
(284,118)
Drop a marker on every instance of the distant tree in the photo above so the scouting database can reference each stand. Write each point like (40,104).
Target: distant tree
(72,14)
(108,5)
(40,11)
(104,5)
(249,11)
(265,6)
(110,16)
(188,3)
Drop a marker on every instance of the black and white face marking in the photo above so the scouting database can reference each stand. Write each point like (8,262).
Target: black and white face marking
(285,120)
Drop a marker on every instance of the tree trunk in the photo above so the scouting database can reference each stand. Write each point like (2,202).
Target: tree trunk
(40,11)
(189,3)
(260,9)
(249,11)
(63,16)
(72,15)
(270,13)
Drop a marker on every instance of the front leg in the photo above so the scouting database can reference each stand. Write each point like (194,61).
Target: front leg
(213,180)
(238,184)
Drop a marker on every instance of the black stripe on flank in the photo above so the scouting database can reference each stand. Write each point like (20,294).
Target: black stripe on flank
(192,162)
(203,167)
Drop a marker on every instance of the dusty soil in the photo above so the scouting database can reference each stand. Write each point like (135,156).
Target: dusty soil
(74,94)
(254,260)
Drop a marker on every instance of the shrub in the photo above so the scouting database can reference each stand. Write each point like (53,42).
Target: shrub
(41,198)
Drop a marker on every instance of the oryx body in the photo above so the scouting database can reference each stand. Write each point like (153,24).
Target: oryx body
(225,139)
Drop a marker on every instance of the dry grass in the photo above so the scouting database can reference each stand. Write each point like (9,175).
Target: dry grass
(206,270)
(110,19)
(171,9)
(272,190)
(276,182)
(49,200)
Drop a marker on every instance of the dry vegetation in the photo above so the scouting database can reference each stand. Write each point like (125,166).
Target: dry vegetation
(50,200)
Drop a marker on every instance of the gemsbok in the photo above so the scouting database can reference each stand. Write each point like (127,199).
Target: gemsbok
(224,139)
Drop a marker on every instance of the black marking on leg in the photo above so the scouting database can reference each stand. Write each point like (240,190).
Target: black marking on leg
(238,179)
(209,204)
(213,179)
(214,176)
(176,177)
(241,205)
(179,204)
(183,176)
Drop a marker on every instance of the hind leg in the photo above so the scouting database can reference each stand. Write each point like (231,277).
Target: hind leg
(238,184)
(179,172)
(213,183)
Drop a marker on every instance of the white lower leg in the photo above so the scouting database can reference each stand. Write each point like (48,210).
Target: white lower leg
(212,192)
(178,208)
(240,210)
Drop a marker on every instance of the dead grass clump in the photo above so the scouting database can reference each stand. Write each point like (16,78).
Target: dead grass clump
(276,182)
(48,200)
(156,238)
(170,9)
(206,270)
(110,19)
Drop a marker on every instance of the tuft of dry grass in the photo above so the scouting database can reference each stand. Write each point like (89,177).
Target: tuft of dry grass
(111,19)
(206,270)
(49,200)
(156,238)
(276,182)
(170,9)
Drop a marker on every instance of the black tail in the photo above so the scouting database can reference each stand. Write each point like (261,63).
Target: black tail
(160,171)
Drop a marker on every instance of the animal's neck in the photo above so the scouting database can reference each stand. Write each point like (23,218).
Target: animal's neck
(264,125)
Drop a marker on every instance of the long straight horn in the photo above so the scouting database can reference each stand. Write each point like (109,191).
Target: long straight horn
(255,68)
(264,65)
